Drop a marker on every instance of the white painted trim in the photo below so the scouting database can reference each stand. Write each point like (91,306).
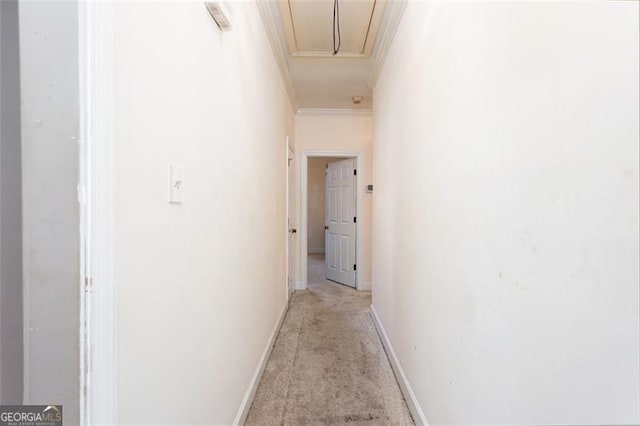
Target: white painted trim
(339,55)
(304,166)
(318,250)
(299,286)
(334,111)
(401,378)
(272,22)
(84,77)
(287,214)
(243,411)
(26,326)
(390,21)
(97,73)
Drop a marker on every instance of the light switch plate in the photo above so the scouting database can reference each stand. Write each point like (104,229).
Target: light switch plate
(176,183)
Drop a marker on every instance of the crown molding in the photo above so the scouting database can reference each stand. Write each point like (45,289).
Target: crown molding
(334,111)
(390,21)
(272,24)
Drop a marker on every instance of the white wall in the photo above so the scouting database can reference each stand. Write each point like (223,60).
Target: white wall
(51,253)
(506,210)
(339,132)
(11,322)
(316,205)
(200,285)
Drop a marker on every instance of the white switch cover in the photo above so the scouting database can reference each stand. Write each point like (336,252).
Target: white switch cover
(176,183)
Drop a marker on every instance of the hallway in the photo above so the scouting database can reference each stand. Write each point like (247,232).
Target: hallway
(167,166)
(328,365)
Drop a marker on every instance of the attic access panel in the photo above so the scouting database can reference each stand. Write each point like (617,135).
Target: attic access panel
(308,26)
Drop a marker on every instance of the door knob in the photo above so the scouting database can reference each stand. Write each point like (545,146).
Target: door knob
(326,227)
(293,230)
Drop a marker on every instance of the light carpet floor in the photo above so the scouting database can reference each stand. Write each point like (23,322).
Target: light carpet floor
(328,366)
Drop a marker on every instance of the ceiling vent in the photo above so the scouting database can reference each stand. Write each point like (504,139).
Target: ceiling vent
(220,14)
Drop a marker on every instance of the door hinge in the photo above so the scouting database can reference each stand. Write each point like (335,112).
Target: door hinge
(354,219)
(354,266)
(355,172)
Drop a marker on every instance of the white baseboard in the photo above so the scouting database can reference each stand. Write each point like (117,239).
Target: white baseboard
(405,386)
(365,286)
(243,411)
(315,251)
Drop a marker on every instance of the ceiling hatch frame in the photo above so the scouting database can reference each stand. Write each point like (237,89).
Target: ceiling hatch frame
(287,15)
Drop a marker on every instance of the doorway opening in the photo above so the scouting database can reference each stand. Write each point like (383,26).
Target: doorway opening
(330,205)
(331,232)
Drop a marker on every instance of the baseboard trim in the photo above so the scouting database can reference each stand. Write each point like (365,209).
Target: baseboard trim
(405,386)
(243,411)
(315,251)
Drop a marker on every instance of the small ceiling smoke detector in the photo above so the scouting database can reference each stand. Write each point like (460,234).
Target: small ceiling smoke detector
(357,100)
(220,14)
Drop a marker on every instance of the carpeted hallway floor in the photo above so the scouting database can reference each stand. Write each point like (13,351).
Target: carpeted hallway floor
(328,365)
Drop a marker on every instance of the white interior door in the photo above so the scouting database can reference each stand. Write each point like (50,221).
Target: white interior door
(340,222)
(291,241)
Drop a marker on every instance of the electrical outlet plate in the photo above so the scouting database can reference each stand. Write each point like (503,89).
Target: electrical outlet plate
(176,183)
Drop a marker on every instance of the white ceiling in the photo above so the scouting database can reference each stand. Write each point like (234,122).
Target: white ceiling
(301,35)
(330,82)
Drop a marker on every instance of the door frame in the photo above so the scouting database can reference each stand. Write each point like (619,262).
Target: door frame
(98,319)
(289,149)
(304,182)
